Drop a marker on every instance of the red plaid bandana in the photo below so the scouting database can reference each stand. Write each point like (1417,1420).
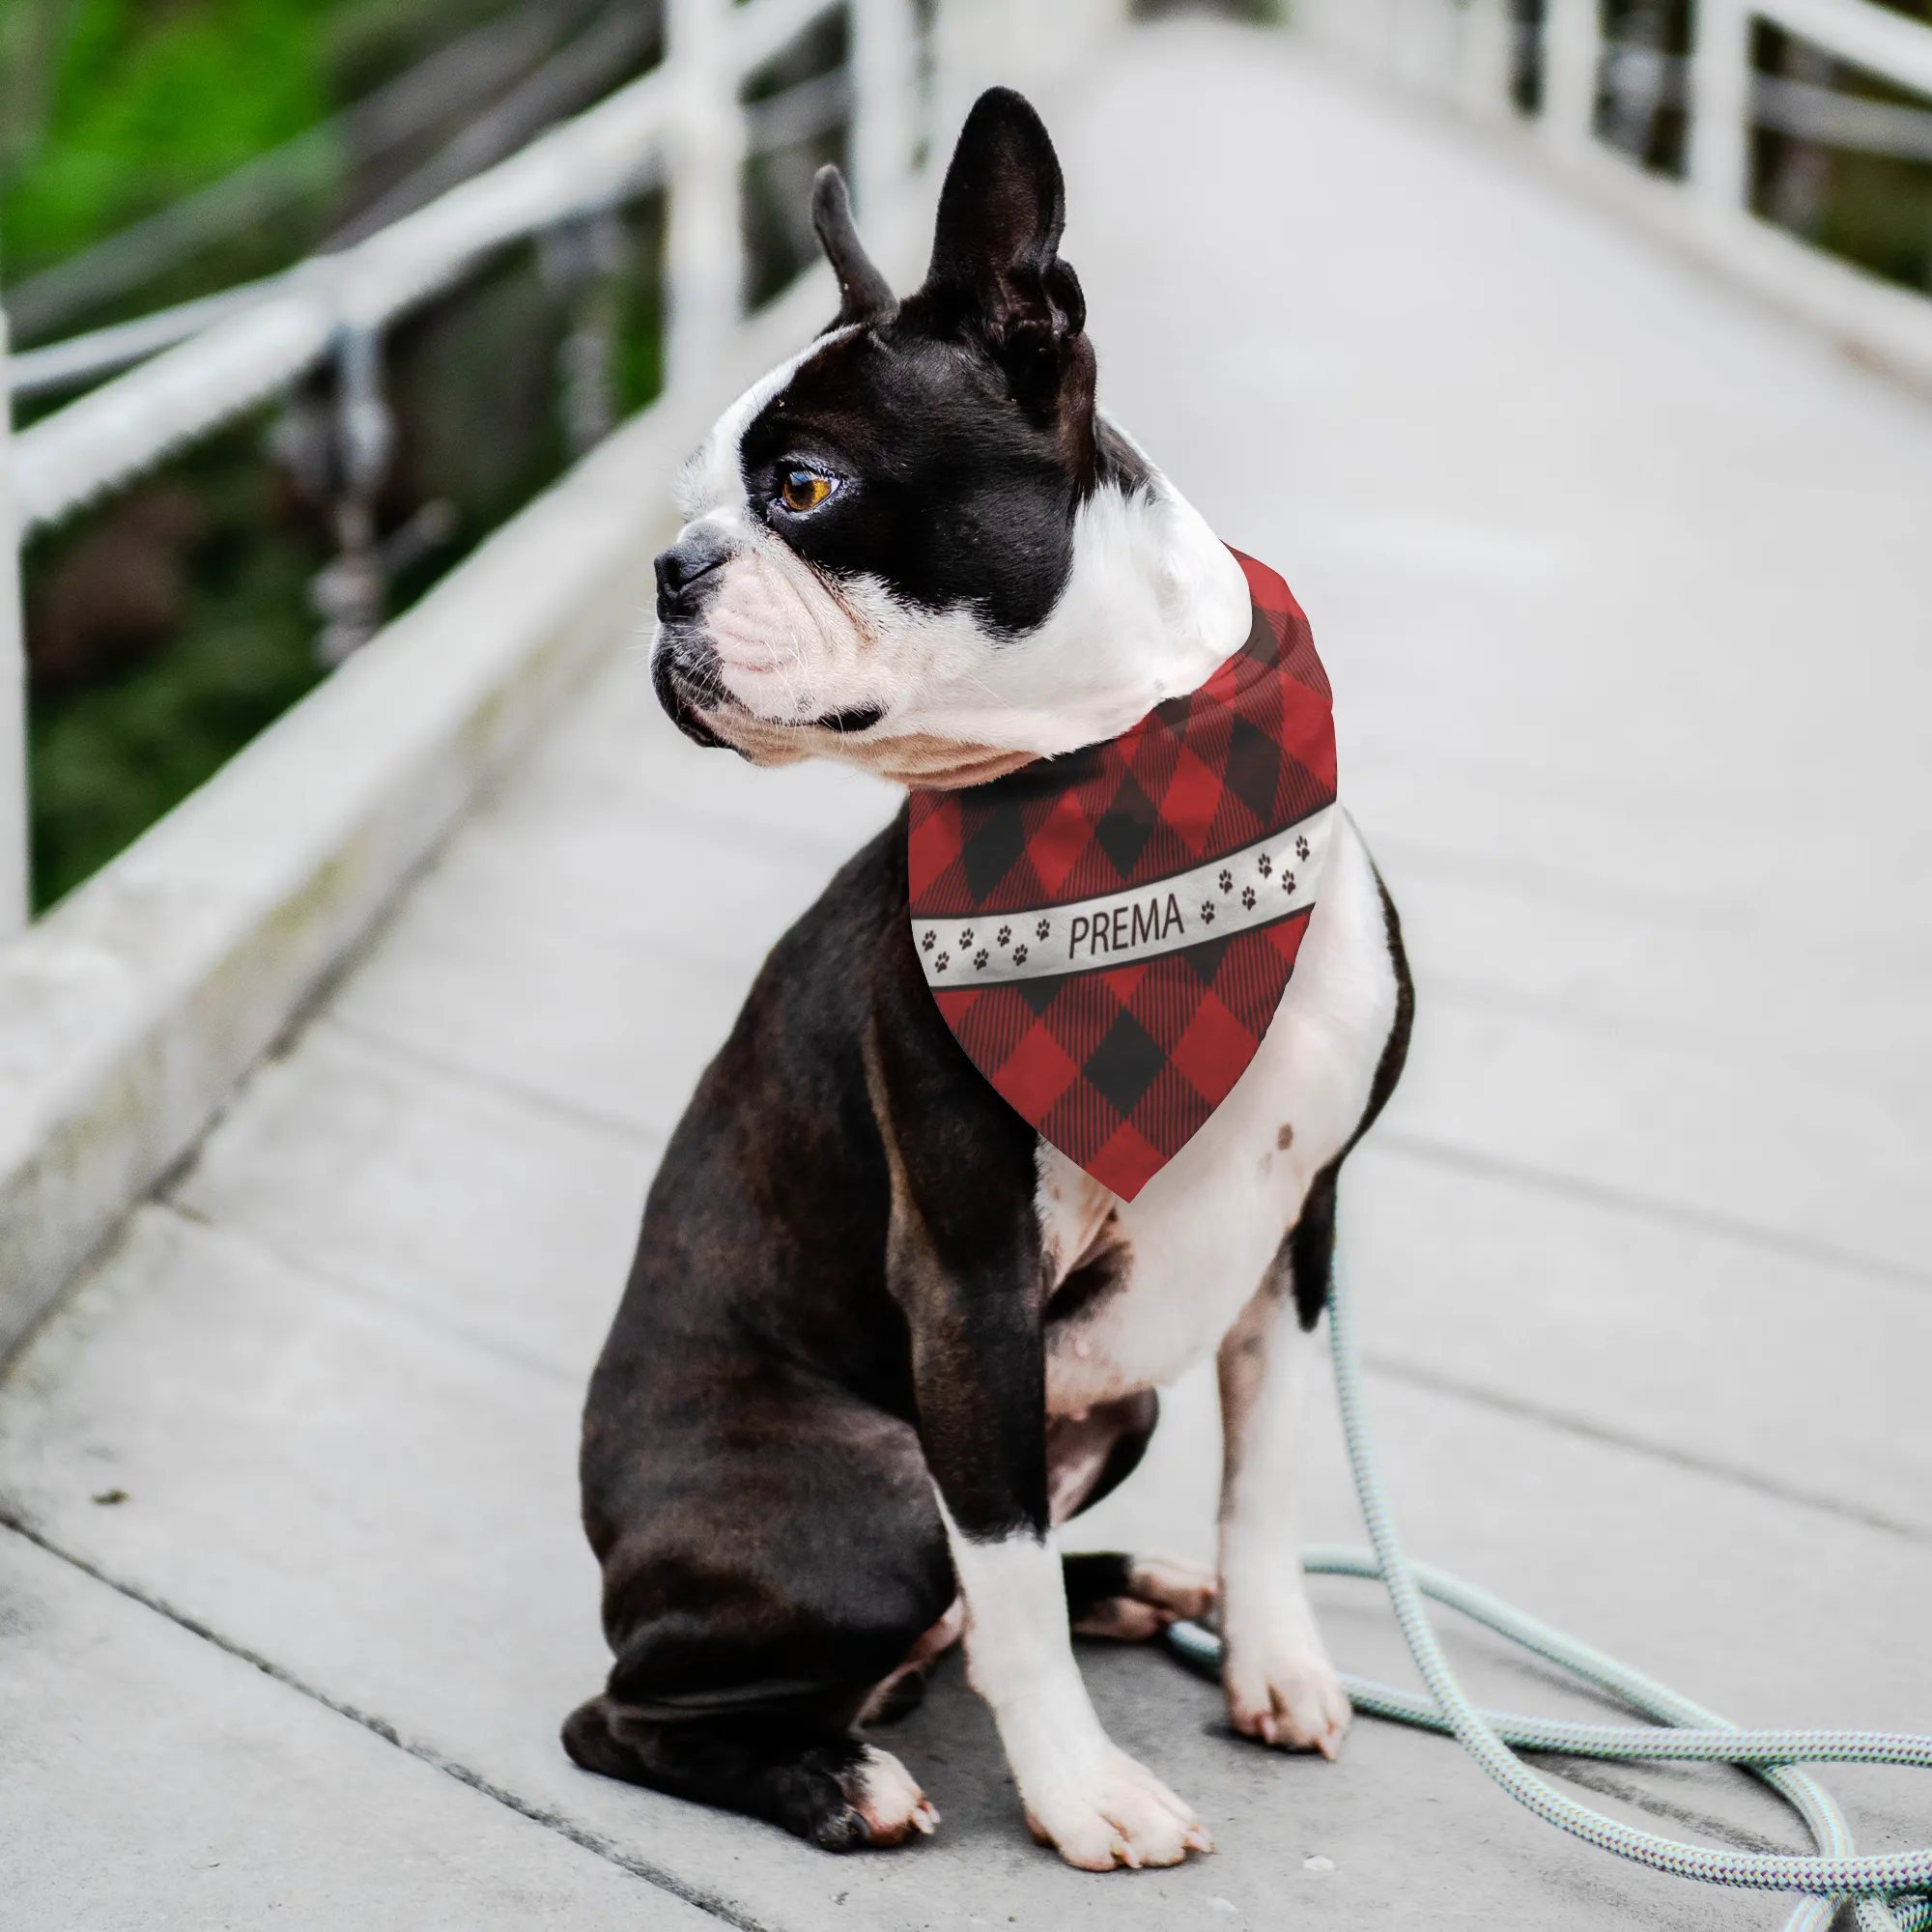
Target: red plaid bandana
(1109,933)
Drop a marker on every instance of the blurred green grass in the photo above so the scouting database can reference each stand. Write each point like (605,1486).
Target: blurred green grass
(472,378)
(147,103)
(108,756)
(112,109)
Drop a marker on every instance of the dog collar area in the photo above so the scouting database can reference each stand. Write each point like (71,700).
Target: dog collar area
(1108,934)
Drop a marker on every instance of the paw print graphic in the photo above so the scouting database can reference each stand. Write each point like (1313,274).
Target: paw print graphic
(1207,912)
(1042,928)
(1264,864)
(1019,956)
(1249,898)
(1288,882)
(980,960)
(1301,848)
(965,938)
(944,960)
(925,944)
(1225,880)
(1005,935)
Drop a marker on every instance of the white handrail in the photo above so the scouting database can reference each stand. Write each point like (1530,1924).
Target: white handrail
(76,360)
(1440,46)
(128,424)
(611,150)
(1446,48)
(1890,46)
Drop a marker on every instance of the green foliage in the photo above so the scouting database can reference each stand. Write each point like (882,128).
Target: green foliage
(474,381)
(108,758)
(147,102)
(111,109)
(159,650)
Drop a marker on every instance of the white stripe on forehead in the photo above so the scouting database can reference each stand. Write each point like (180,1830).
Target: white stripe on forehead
(712,477)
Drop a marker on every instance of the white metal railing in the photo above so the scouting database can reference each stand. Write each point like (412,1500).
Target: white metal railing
(1465,50)
(680,126)
(623,145)
(458,79)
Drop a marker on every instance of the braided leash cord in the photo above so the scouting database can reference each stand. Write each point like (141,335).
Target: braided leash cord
(1684,1730)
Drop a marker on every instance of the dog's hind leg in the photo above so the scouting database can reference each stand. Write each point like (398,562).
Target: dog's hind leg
(757,1588)
(815,1780)
(1282,1686)
(1129,1599)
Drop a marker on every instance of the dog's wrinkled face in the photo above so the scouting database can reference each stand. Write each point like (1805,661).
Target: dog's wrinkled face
(918,547)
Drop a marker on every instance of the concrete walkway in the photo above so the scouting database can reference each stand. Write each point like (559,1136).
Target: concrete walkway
(1627,594)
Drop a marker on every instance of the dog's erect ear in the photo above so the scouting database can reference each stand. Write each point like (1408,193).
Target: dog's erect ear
(863,292)
(994,248)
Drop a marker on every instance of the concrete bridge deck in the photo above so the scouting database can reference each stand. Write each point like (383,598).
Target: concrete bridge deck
(1626,591)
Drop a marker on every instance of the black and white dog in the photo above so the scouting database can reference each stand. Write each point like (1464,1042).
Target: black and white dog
(880,1336)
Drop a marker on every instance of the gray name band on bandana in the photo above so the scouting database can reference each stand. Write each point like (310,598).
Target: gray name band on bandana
(1254,887)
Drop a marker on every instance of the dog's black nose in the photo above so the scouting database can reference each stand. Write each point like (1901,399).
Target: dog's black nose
(686,574)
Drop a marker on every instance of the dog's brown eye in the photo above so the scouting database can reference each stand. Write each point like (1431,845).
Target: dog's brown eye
(804,489)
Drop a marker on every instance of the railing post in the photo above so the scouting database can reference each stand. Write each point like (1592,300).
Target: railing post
(1720,104)
(885,87)
(348,592)
(580,259)
(703,255)
(1573,50)
(13,681)
(1429,47)
(1483,59)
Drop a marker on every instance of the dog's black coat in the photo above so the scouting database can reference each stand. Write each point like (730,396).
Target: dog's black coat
(780,1390)
(838,1299)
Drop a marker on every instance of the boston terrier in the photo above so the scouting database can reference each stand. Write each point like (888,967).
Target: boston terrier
(884,1332)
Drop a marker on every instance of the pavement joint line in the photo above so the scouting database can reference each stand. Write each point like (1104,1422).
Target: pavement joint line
(594,1842)
(374,1295)
(636,1133)
(1437,1383)
(1651,1207)
(1606,1783)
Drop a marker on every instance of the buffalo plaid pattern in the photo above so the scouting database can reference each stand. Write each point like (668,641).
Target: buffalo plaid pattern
(1121,1065)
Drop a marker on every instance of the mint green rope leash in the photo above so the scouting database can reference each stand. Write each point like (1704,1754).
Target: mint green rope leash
(1684,1730)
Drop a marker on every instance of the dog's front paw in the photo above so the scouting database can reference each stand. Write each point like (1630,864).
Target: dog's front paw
(1113,1812)
(1285,1692)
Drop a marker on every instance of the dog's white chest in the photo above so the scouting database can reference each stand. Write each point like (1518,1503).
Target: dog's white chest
(1145,1288)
